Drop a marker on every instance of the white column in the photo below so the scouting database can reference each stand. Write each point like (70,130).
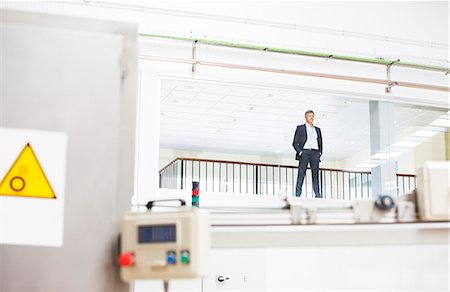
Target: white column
(382,135)
(147,137)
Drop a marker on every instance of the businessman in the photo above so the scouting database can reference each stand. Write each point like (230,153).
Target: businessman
(308,145)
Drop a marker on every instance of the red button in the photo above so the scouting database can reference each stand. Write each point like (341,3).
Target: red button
(126,259)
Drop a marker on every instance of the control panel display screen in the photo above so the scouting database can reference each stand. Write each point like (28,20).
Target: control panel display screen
(157,233)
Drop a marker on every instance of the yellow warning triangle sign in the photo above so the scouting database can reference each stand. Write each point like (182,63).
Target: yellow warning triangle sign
(26,178)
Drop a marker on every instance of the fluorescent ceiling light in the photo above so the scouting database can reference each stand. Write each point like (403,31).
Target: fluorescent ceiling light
(386,155)
(441,123)
(406,144)
(425,133)
(367,165)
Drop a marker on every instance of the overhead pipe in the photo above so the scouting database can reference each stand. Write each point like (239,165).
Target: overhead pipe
(389,83)
(386,62)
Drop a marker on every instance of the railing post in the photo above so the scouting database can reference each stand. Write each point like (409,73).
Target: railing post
(246,178)
(273,180)
(206,176)
(279,179)
(267,181)
(256,179)
(182,173)
(226,177)
(233,176)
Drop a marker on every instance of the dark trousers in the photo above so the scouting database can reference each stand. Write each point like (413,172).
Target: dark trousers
(311,157)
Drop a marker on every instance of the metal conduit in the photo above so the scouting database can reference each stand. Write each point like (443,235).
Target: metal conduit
(376,61)
(301,73)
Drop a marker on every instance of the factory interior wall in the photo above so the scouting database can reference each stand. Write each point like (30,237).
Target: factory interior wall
(306,263)
(435,148)
(447,146)
(352,161)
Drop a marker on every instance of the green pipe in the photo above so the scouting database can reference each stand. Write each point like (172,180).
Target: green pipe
(300,52)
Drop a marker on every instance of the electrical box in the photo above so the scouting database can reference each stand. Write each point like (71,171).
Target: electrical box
(165,245)
(433,191)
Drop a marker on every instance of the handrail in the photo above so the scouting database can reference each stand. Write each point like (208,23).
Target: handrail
(406,174)
(270,179)
(169,164)
(262,164)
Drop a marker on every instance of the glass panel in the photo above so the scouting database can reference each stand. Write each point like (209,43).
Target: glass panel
(370,147)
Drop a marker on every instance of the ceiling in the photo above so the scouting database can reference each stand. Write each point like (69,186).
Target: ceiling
(233,118)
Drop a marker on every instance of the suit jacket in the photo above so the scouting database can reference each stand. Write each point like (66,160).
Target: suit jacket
(300,138)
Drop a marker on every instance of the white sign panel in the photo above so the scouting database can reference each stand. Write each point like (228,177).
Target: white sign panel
(32,182)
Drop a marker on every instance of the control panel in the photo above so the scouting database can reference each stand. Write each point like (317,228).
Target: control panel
(165,245)
(433,191)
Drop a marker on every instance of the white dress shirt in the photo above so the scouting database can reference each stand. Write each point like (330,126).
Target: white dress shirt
(311,141)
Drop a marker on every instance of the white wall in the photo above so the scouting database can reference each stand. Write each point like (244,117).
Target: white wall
(447,146)
(433,149)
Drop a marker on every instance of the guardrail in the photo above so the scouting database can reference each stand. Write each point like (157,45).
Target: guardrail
(269,179)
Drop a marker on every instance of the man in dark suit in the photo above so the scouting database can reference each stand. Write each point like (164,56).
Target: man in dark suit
(308,145)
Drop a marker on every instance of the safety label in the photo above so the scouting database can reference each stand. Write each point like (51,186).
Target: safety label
(32,186)
(26,178)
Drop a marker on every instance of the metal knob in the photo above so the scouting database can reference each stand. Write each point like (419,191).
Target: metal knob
(222,279)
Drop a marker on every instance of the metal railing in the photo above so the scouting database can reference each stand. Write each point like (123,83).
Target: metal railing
(405,183)
(269,179)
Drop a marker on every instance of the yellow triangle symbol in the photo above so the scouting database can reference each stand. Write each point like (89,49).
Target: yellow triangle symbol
(26,178)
